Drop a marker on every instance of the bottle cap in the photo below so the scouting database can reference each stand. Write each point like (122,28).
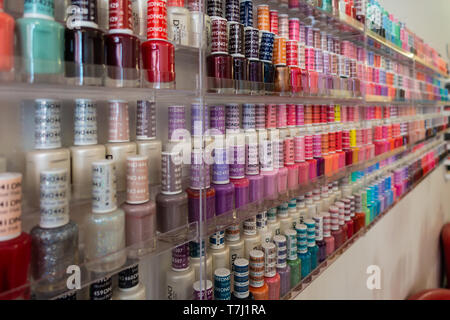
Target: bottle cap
(270,259)
(129,278)
(219,34)
(220,172)
(199,119)
(291,243)
(177,123)
(232,10)
(171,173)
(232,118)
(54,204)
(85,14)
(217,240)
(38,9)
(203,290)
(101,290)
(256,268)
(217,119)
(47,120)
(283,210)
(236,36)
(248,116)
(222,284)
(241,278)
(10,205)
(199,176)
(145,120)
(251,43)
(266,46)
(137,180)
(120,16)
(180,257)
(318,219)
(236,147)
(232,233)
(85,123)
(119,122)
(104,186)
(194,249)
(252,153)
(175,3)
(281,250)
(157,19)
(260,116)
(250,226)
(279,51)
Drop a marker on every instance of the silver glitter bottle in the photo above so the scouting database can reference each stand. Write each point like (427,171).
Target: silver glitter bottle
(54,242)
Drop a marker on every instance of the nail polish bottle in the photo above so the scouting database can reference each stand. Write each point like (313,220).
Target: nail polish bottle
(312,163)
(84,53)
(342,225)
(283,269)
(272,221)
(234,243)
(256,181)
(252,240)
(119,146)
(15,245)
(147,144)
(85,149)
(301,207)
(222,284)
(220,178)
(258,287)
(47,142)
(181,277)
(129,286)
(299,154)
(311,209)
(266,56)
(105,227)
(289,161)
(236,147)
(302,250)
(241,280)
(139,8)
(203,290)
(271,277)
(313,250)
(283,217)
(317,153)
(359,213)
(200,33)
(140,212)
(199,259)
(279,160)
(348,219)
(54,242)
(178,22)
(320,242)
(172,201)
(327,237)
(262,229)
(219,62)
(266,159)
(101,290)
(293,261)
(41,42)
(7,46)
(236,48)
(294,212)
(336,232)
(122,47)
(158,54)
(219,251)
(255,66)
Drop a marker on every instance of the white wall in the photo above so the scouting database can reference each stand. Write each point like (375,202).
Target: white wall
(429,19)
(404,244)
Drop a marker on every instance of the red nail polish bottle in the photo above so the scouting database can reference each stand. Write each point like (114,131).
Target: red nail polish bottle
(7,43)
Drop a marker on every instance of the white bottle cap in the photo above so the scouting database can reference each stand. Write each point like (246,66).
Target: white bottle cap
(104,186)
(54,205)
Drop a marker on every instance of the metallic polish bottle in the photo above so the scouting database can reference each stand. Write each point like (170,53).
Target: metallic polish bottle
(105,227)
(41,42)
(119,146)
(85,149)
(47,142)
(15,245)
(129,286)
(54,242)
(181,277)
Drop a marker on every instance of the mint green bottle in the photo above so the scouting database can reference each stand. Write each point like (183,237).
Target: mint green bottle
(41,41)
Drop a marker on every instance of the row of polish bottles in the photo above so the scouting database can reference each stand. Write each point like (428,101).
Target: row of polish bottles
(81,49)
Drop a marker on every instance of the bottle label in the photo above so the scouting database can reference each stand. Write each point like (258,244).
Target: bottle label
(250,226)
(104,186)
(10,205)
(101,290)
(199,119)
(43,7)
(171,173)
(119,128)
(157,19)
(129,278)
(137,179)
(47,125)
(54,204)
(85,123)
(180,257)
(252,163)
(232,233)
(146,120)
(177,28)
(120,15)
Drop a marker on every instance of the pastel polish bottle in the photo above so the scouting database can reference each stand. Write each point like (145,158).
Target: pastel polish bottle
(272,222)
(200,33)
(219,251)
(201,197)
(129,287)
(158,54)
(313,249)
(258,287)
(262,229)
(302,250)
(320,242)
(41,42)
(221,179)
(119,146)
(252,240)
(241,280)
(140,212)
(271,277)
(48,153)
(222,284)
(200,260)
(235,244)
(178,22)
(105,227)
(54,242)
(283,269)
(15,245)
(181,277)
(327,237)
(294,214)
(84,53)
(336,231)
(293,261)
(283,217)
(147,144)
(7,46)
(122,47)
(85,149)
(171,201)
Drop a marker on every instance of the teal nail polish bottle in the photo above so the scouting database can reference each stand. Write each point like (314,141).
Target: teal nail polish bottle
(41,41)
